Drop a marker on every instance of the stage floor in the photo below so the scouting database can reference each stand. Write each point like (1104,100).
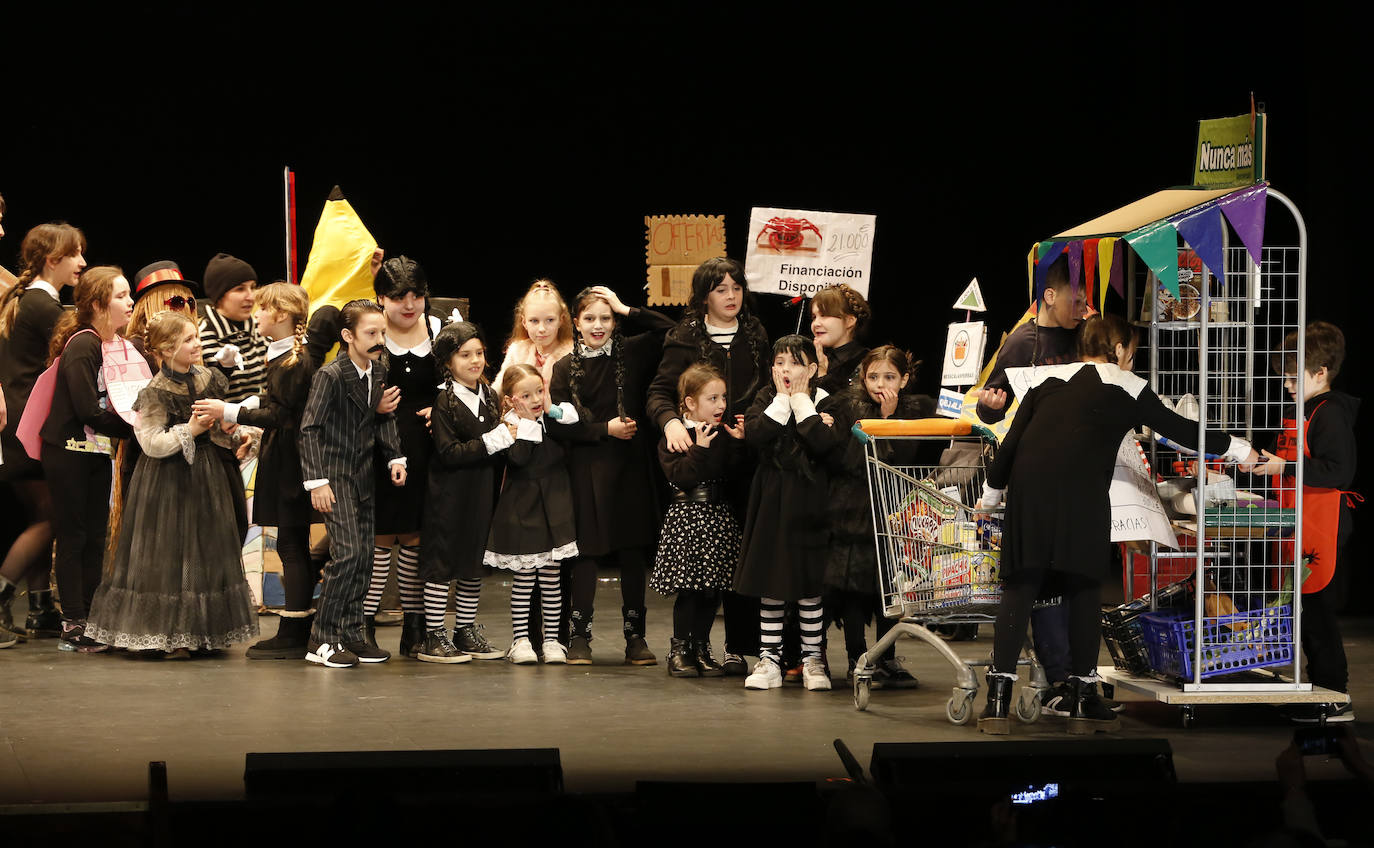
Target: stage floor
(84,727)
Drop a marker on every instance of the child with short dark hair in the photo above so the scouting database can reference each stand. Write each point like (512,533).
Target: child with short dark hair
(1328,467)
(340,430)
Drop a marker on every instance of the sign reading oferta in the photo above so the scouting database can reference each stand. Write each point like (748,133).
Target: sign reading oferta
(1230,151)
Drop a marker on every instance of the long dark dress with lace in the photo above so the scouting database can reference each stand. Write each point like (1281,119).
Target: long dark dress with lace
(176,580)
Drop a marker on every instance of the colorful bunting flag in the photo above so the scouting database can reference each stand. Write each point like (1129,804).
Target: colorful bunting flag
(1090,271)
(1203,231)
(1157,245)
(1049,251)
(1245,211)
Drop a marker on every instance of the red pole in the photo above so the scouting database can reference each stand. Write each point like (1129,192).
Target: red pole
(289,178)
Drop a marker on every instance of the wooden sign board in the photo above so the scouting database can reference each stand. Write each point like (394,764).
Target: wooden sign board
(674,246)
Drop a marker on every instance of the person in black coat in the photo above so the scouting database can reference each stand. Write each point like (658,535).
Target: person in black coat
(1056,464)
(615,490)
(852,594)
(465,471)
(718,330)
(51,258)
(281,501)
(786,528)
(839,317)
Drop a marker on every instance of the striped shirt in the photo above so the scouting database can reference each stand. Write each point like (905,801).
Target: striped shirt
(723,336)
(216,331)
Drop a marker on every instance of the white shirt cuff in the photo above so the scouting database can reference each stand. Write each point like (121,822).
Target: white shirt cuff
(231,410)
(497,439)
(802,407)
(780,410)
(400,460)
(1239,450)
(991,497)
(529,430)
(569,415)
(312,485)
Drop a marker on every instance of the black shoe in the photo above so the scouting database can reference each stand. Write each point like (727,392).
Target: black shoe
(44,621)
(1313,713)
(849,673)
(579,651)
(412,634)
(890,674)
(733,664)
(370,630)
(438,649)
(705,662)
(682,659)
(995,720)
(469,640)
(292,641)
(1114,706)
(366,653)
(1057,700)
(331,655)
(637,652)
(74,638)
(1088,714)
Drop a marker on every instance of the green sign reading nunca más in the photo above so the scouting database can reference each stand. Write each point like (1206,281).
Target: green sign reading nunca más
(1230,151)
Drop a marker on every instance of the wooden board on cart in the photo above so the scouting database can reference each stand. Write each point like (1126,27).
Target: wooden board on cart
(1262,693)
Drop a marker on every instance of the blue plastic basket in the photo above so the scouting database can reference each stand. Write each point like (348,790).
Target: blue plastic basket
(1265,640)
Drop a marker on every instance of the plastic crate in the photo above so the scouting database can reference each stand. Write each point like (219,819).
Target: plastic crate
(1265,638)
(1121,628)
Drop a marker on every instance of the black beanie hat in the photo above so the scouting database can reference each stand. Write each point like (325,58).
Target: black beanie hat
(399,275)
(223,273)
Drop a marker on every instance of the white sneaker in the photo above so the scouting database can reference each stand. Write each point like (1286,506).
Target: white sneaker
(522,652)
(814,674)
(766,675)
(554,652)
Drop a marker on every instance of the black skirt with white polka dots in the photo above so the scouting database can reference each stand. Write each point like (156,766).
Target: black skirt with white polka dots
(698,549)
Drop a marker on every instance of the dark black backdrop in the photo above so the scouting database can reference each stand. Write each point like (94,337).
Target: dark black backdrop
(507,143)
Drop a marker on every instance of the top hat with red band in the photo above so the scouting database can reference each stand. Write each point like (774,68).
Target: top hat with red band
(161,273)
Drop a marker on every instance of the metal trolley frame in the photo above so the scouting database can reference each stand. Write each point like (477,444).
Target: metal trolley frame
(937,565)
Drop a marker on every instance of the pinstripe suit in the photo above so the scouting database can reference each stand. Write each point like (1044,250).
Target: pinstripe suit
(339,433)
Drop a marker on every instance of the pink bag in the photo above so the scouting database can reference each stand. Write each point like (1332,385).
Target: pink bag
(39,405)
(126,372)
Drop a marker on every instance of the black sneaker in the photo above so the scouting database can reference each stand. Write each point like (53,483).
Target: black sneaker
(331,655)
(74,638)
(1313,713)
(469,640)
(367,653)
(579,651)
(890,674)
(44,624)
(734,665)
(1057,701)
(438,649)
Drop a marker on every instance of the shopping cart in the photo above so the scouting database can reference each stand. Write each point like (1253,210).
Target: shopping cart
(938,561)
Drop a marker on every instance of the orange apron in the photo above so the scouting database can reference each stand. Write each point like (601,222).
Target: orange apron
(1321,511)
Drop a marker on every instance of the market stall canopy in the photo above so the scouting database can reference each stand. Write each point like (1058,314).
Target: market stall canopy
(1151,227)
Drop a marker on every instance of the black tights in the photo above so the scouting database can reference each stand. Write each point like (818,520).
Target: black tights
(694,613)
(853,612)
(633,564)
(299,571)
(1019,593)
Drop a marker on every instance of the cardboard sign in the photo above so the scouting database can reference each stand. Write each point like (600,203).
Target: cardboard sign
(972,298)
(1230,151)
(1137,514)
(674,246)
(963,353)
(794,252)
(951,404)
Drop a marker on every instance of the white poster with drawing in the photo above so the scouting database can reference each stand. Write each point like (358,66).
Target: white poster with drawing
(963,353)
(1137,514)
(793,252)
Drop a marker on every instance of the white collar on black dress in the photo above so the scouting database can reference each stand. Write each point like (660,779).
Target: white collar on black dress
(279,347)
(1022,380)
(472,400)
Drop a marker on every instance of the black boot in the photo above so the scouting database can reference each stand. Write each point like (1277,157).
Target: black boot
(44,621)
(370,629)
(1088,714)
(580,638)
(994,720)
(636,649)
(706,663)
(9,633)
(412,634)
(291,642)
(682,659)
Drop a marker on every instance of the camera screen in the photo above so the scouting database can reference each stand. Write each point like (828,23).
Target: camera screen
(1032,794)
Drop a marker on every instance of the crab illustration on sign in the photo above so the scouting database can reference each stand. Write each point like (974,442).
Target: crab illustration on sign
(790,235)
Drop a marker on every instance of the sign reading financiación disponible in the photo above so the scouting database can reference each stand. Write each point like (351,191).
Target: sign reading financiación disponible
(793,252)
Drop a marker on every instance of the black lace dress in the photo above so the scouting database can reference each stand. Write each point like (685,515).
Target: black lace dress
(176,580)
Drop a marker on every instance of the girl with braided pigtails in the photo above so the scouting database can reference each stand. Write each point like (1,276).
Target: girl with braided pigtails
(281,501)
(839,316)
(718,330)
(615,492)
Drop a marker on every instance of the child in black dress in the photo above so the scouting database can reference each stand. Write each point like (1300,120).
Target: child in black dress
(470,442)
(787,526)
(533,530)
(851,569)
(839,316)
(280,311)
(176,583)
(402,288)
(699,546)
(615,492)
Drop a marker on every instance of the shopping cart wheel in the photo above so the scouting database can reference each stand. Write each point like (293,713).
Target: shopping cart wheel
(959,707)
(1188,716)
(862,689)
(1028,705)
